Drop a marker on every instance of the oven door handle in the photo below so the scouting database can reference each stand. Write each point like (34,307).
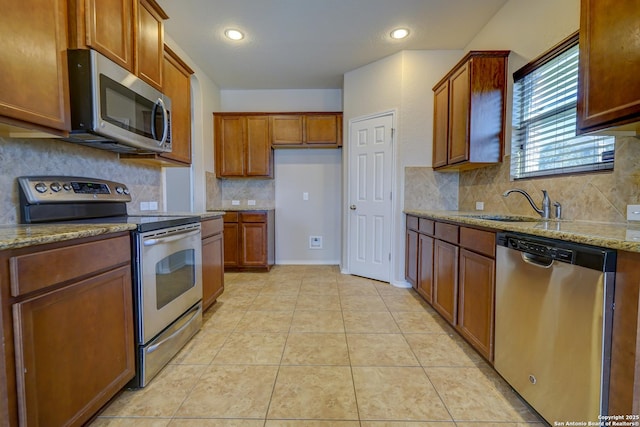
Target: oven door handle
(186,324)
(170,238)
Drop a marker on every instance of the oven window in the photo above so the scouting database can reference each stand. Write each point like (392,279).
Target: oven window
(175,275)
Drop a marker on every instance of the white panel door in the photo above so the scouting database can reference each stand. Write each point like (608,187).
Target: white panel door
(370,183)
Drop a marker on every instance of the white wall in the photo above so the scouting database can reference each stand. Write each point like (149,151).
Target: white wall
(315,171)
(401,83)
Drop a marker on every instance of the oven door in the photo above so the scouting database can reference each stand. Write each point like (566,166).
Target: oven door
(170,277)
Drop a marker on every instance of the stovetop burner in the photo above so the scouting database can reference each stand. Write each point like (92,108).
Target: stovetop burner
(48,199)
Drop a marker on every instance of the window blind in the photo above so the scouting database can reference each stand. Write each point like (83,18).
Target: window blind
(544,140)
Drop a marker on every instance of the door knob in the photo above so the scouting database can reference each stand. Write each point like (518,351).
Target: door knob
(352,207)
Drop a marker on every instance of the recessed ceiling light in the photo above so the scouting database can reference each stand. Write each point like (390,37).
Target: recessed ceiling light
(399,33)
(234,34)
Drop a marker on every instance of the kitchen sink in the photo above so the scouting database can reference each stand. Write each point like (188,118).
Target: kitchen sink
(504,218)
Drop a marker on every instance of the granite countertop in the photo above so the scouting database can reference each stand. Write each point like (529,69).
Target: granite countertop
(621,236)
(20,236)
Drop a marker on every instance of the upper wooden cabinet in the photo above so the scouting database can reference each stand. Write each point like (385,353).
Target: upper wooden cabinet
(242,146)
(608,84)
(34,91)
(321,130)
(469,112)
(177,85)
(129,32)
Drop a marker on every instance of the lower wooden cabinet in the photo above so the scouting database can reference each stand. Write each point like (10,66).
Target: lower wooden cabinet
(212,261)
(68,332)
(476,295)
(454,268)
(445,279)
(249,241)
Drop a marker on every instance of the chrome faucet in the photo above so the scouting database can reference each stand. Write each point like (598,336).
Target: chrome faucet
(546,202)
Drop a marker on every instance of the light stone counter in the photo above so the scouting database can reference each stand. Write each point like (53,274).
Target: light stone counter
(19,236)
(621,236)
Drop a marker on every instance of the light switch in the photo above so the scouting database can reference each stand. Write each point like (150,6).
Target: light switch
(305,196)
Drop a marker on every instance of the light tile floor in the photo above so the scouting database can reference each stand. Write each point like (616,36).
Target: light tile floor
(307,346)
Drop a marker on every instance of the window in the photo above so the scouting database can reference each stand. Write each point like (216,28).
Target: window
(544,140)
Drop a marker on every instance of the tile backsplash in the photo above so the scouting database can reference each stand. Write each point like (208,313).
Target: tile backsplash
(20,157)
(263,191)
(600,196)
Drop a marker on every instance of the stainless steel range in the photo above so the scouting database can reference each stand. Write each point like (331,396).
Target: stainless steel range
(166,259)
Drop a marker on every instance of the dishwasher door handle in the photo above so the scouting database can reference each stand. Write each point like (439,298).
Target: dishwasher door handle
(537,260)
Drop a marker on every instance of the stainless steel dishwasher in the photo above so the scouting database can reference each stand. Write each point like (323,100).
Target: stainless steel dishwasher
(553,324)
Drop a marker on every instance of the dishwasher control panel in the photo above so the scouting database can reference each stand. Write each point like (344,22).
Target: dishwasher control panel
(559,254)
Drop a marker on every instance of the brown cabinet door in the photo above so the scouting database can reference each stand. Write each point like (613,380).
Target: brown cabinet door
(259,155)
(231,244)
(212,269)
(287,129)
(476,292)
(411,258)
(322,129)
(150,42)
(459,116)
(34,78)
(445,279)
(74,349)
(254,244)
(177,85)
(109,29)
(441,124)
(609,89)
(229,134)
(425,267)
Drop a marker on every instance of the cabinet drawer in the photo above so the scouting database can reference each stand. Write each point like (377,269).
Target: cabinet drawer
(483,242)
(211,227)
(412,222)
(253,216)
(39,270)
(426,226)
(446,232)
(230,217)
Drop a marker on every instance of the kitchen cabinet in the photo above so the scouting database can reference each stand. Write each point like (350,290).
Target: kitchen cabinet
(67,329)
(212,261)
(453,268)
(608,88)
(249,242)
(242,146)
(445,271)
(419,255)
(129,32)
(34,88)
(177,85)
(624,386)
(469,112)
(306,130)
(476,289)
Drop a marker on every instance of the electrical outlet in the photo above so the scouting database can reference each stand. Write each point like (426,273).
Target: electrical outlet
(251,202)
(315,242)
(144,206)
(153,206)
(633,212)
(235,203)
(479,206)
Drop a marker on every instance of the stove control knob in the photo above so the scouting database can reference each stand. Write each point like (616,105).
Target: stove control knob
(126,191)
(41,187)
(55,186)
(66,186)
(119,190)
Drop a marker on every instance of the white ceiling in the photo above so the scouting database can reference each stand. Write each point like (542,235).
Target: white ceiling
(310,44)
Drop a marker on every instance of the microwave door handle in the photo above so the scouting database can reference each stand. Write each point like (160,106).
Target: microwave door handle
(153,119)
(165,122)
(173,238)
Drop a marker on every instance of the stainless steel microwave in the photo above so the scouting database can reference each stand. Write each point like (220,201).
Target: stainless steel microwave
(114,110)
